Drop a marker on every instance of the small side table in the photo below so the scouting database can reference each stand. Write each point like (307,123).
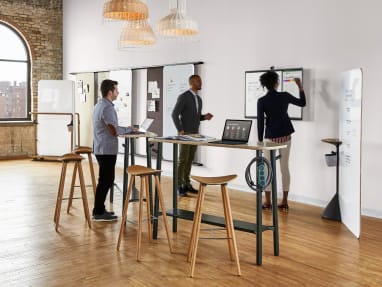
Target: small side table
(332,210)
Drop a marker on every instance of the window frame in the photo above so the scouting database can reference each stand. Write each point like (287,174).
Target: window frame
(28,117)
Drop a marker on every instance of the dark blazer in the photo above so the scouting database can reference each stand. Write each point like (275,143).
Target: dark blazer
(275,106)
(185,116)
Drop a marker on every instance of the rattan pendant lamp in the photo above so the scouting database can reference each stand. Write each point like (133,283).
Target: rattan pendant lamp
(136,34)
(129,10)
(177,24)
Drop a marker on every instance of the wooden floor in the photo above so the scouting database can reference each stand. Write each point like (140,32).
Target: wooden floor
(313,251)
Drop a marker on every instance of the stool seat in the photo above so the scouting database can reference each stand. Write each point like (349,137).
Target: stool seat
(82,149)
(140,170)
(70,157)
(218,180)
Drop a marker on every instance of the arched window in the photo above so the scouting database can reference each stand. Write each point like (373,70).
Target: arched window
(15,92)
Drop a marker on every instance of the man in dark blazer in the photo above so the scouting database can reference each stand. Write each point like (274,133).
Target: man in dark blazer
(187,115)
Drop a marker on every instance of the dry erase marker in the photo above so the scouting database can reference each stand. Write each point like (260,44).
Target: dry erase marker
(288,80)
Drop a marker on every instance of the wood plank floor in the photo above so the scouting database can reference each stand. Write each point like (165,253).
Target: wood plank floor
(313,251)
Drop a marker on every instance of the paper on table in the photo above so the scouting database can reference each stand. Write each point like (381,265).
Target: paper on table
(197,137)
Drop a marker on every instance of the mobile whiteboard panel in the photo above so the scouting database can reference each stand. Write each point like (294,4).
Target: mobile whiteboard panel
(350,128)
(55,96)
(53,136)
(254,90)
(175,82)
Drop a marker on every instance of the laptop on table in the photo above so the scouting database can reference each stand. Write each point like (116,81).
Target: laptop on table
(235,132)
(143,127)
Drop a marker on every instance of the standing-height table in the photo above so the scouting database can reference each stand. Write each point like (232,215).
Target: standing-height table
(257,227)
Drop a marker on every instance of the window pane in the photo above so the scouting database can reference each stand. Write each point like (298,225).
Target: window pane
(11,47)
(13,90)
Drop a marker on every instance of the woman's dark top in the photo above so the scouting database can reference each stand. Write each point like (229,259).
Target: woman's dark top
(275,107)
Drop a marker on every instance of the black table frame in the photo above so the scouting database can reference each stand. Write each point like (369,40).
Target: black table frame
(258,228)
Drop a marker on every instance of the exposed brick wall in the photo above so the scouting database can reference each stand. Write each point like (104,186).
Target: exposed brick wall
(40,22)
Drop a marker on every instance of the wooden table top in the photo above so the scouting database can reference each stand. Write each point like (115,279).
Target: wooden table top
(139,135)
(334,141)
(250,145)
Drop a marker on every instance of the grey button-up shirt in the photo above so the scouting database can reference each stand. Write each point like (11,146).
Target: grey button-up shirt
(104,142)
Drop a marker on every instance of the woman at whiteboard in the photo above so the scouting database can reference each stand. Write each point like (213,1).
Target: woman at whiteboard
(278,126)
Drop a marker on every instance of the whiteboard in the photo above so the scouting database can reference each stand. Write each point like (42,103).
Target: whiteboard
(350,127)
(175,82)
(254,90)
(53,136)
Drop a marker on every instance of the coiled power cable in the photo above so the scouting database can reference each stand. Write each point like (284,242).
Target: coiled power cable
(264,173)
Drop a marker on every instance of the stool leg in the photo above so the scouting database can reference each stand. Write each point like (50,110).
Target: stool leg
(198,222)
(163,208)
(124,213)
(60,193)
(92,172)
(61,184)
(74,175)
(148,203)
(197,214)
(83,191)
(227,223)
(139,235)
(193,230)
(229,213)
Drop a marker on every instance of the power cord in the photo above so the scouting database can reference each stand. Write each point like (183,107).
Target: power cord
(264,174)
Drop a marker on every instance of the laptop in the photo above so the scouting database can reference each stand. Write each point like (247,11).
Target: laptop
(143,127)
(235,132)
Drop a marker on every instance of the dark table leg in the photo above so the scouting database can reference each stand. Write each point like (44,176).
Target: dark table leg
(274,206)
(156,198)
(125,175)
(259,233)
(148,155)
(175,188)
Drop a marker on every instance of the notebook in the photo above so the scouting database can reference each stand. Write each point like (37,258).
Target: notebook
(235,132)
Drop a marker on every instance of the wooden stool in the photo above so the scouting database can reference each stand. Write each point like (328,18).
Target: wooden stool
(193,246)
(83,150)
(87,150)
(144,173)
(66,158)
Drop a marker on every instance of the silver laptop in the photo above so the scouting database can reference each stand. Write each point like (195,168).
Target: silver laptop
(235,132)
(144,127)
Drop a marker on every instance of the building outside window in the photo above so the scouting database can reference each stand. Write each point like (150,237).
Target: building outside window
(15,92)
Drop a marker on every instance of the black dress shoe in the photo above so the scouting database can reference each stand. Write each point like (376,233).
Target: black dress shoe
(190,188)
(182,191)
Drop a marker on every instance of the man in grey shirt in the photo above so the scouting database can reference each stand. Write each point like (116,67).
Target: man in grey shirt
(105,146)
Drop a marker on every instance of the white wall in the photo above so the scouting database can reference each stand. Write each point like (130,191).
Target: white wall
(325,37)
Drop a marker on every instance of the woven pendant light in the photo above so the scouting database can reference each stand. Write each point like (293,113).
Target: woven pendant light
(176,24)
(129,10)
(136,34)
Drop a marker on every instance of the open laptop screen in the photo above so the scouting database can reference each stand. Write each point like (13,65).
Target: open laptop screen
(237,130)
(146,124)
